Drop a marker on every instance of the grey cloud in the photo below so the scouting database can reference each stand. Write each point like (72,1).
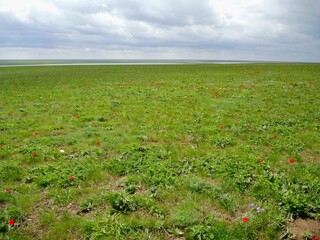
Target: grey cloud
(296,20)
(302,16)
(166,12)
(82,6)
(14,32)
(132,25)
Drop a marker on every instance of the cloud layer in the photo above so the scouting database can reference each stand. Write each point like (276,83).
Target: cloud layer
(284,30)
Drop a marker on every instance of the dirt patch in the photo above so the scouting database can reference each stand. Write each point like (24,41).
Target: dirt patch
(308,158)
(2,205)
(158,84)
(302,229)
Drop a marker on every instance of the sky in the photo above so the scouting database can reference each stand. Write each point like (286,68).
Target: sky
(261,30)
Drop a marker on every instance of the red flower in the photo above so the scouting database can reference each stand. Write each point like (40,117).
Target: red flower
(1,145)
(221,127)
(260,160)
(98,143)
(315,238)
(7,189)
(77,116)
(11,222)
(36,132)
(75,151)
(71,178)
(217,94)
(35,154)
(271,145)
(245,219)
(275,136)
(291,160)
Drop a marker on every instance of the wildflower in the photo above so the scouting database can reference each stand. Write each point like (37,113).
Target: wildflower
(221,127)
(315,238)
(71,178)
(1,145)
(36,132)
(275,136)
(251,205)
(217,94)
(11,222)
(61,150)
(291,160)
(75,151)
(245,219)
(258,209)
(98,143)
(260,160)
(78,117)
(8,189)
(34,154)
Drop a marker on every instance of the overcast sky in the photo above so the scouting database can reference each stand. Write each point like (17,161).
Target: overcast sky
(280,30)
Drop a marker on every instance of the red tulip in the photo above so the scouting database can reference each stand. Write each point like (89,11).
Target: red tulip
(71,178)
(245,219)
(11,222)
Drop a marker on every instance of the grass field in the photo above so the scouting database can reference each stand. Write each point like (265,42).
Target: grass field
(160,152)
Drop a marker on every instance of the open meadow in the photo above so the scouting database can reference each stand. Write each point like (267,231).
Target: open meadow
(202,151)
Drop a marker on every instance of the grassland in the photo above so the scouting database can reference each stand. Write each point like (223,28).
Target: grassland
(159,152)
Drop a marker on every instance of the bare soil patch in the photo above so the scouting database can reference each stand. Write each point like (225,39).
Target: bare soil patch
(302,229)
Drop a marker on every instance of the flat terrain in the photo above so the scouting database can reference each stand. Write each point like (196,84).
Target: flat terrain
(160,152)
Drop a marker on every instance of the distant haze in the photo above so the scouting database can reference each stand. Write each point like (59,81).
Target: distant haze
(261,30)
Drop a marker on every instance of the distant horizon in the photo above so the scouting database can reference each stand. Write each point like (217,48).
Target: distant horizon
(148,59)
(101,62)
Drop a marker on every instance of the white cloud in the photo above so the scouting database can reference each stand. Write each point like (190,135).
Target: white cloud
(23,10)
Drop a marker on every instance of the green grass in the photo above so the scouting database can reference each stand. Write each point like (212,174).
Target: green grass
(158,152)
